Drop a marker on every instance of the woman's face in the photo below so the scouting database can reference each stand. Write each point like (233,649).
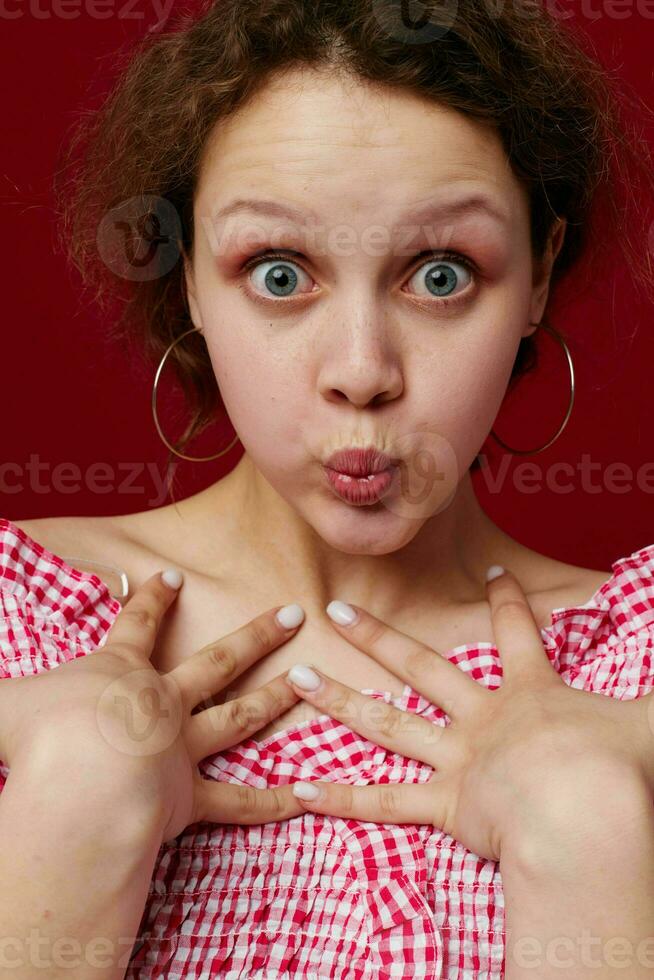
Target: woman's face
(362,274)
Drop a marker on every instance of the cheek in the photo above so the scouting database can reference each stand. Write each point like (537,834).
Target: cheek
(260,396)
(460,392)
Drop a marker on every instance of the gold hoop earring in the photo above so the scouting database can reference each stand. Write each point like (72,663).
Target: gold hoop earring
(528,452)
(192,459)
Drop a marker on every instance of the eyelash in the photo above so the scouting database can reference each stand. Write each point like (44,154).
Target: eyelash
(429,255)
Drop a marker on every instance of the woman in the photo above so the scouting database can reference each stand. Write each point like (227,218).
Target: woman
(367,270)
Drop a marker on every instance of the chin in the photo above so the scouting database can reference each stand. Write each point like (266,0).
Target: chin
(360,532)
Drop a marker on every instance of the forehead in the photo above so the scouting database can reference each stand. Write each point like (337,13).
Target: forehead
(323,136)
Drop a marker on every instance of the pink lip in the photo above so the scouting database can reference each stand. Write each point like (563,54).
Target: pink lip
(360,476)
(359,462)
(360,491)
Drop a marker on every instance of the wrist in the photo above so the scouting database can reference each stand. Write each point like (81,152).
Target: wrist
(577,817)
(103,801)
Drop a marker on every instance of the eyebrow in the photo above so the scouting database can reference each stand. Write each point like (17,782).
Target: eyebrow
(477,203)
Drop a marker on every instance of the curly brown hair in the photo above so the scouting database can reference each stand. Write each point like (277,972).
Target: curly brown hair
(558,111)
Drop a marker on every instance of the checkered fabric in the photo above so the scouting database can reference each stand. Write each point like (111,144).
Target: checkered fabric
(318,896)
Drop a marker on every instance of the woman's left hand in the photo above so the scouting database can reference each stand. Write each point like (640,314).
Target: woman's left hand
(533,744)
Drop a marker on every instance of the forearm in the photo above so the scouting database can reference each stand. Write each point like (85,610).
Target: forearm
(74,877)
(584,906)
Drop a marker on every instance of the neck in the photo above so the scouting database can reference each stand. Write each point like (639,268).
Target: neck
(443,565)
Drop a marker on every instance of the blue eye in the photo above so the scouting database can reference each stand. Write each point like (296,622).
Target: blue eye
(280,278)
(442,277)
(275,275)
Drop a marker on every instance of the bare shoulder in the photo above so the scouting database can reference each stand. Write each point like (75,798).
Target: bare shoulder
(580,585)
(108,546)
(558,584)
(138,544)
(65,534)
(548,583)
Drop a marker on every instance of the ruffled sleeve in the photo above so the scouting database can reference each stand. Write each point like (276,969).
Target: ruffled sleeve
(49,612)
(606,645)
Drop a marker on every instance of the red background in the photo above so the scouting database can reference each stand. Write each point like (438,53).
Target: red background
(69,398)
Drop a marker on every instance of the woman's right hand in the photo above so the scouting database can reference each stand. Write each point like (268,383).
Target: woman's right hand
(111,720)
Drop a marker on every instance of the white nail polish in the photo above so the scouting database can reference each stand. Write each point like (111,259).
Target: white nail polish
(341,613)
(302,676)
(305,791)
(173,578)
(494,572)
(290,616)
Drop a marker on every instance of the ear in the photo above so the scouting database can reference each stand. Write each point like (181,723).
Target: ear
(189,282)
(542,275)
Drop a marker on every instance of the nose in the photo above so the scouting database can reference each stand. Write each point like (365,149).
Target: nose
(360,364)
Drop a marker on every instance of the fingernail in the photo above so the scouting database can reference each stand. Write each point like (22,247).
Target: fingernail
(341,613)
(304,677)
(290,616)
(493,572)
(172,577)
(305,791)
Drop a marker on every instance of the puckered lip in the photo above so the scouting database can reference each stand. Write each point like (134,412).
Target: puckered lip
(359,462)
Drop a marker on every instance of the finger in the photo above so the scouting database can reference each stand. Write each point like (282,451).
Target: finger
(400,731)
(424,803)
(429,673)
(137,624)
(215,665)
(517,635)
(230,803)
(228,724)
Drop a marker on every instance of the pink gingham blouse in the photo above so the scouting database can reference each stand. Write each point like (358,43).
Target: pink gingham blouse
(318,896)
